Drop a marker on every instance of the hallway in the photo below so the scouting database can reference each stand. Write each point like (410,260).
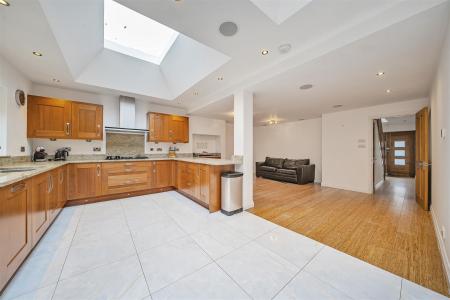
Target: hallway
(387,229)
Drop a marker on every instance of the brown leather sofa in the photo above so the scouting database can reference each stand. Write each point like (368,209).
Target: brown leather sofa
(290,170)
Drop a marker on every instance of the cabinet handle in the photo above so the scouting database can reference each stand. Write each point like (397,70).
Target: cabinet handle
(98,129)
(18,187)
(61,177)
(67,128)
(128,170)
(128,164)
(49,184)
(98,170)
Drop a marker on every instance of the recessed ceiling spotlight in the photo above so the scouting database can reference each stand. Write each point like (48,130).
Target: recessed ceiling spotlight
(285,48)
(273,122)
(264,52)
(228,28)
(56,80)
(381,73)
(4,2)
(388,91)
(337,106)
(306,86)
(37,53)
(220,78)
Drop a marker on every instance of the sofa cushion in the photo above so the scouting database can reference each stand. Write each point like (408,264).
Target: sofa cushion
(294,163)
(267,169)
(274,162)
(287,171)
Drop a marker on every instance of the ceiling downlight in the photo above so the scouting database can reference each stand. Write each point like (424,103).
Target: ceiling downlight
(4,2)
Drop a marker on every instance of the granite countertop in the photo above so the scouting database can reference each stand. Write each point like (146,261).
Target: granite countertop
(42,167)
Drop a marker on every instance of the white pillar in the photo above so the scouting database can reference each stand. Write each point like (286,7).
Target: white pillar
(243,142)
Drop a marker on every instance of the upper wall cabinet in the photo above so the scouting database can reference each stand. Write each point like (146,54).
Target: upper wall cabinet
(168,128)
(63,119)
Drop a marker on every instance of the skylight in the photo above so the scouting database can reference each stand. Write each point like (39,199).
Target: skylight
(133,34)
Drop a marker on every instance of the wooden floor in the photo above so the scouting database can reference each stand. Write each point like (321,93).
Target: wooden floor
(387,229)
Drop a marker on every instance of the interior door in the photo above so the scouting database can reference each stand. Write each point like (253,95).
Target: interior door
(400,153)
(422,158)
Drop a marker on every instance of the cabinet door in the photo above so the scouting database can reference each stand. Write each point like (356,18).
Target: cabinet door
(158,127)
(39,206)
(163,173)
(84,181)
(48,118)
(87,121)
(53,205)
(15,229)
(62,186)
(204,183)
(179,129)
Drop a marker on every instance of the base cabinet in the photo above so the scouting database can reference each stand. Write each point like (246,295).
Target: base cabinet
(15,229)
(84,181)
(126,177)
(40,198)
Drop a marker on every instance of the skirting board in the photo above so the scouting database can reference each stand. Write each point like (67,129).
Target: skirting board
(445,260)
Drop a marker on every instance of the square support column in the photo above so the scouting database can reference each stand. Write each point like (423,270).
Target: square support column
(243,142)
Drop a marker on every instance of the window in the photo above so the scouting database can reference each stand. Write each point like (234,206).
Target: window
(400,153)
(400,162)
(133,34)
(399,144)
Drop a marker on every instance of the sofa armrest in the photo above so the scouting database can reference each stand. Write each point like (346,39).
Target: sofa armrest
(306,173)
(259,164)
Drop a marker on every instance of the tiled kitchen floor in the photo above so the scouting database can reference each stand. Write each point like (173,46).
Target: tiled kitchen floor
(165,246)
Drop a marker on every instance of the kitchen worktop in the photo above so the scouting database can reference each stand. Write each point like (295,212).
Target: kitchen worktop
(42,167)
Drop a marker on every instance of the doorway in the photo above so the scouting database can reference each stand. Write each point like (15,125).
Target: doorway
(400,154)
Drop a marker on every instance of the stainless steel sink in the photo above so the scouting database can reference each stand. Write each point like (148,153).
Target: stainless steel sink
(14,170)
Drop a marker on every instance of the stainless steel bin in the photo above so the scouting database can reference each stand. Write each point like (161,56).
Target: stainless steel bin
(231,193)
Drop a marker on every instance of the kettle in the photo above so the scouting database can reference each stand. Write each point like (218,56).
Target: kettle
(40,154)
(62,153)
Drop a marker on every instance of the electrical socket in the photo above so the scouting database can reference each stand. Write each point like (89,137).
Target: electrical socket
(97,149)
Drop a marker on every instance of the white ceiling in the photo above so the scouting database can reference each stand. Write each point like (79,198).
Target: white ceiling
(336,45)
(407,52)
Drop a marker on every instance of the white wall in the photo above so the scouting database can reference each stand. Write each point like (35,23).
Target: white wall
(440,152)
(347,143)
(197,125)
(13,119)
(378,163)
(229,141)
(408,126)
(300,139)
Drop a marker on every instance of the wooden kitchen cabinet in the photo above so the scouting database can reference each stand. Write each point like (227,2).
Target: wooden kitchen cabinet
(203,171)
(53,201)
(40,217)
(63,119)
(168,128)
(158,127)
(87,121)
(62,186)
(126,177)
(48,118)
(15,228)
(163,173)
(179,129)
(84,180)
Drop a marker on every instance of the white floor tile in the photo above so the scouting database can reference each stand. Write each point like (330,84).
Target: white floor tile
(412,291)
(354,277)
(119,280)
(260,272)
(219,240)
(91,231)
(156,234)
(36,272)
(307,287)
(165,264)
(208,283)
(250,225)
(90,254)
(290,245)
(44,293)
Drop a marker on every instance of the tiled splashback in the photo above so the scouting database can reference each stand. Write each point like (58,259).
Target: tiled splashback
(125,144)
(13,160)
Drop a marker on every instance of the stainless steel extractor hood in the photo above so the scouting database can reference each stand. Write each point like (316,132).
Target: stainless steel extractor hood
(127,117)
